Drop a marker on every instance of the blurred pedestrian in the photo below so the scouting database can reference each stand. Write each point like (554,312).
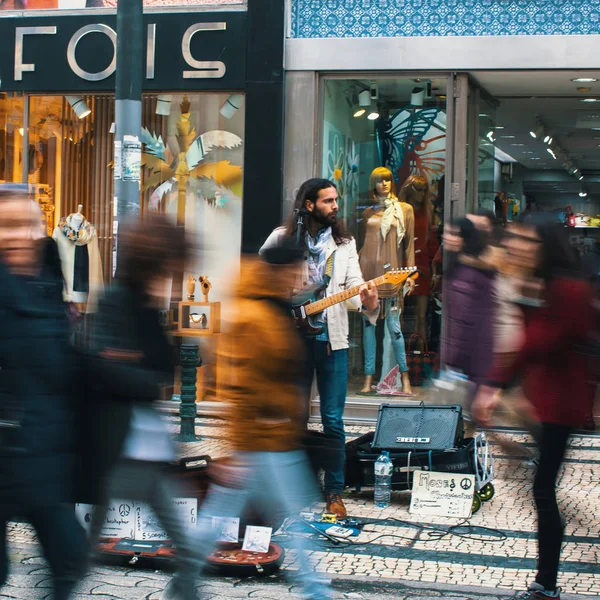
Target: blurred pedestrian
(38,380)
(467,344)
(261,368)
(131,358)
(558,313)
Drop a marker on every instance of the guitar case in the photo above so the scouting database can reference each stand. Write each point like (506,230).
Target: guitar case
(194,475)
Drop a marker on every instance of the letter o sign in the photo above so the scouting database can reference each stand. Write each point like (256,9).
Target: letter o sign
(72,47)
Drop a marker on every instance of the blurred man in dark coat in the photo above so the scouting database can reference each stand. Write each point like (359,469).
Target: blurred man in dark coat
(38,455)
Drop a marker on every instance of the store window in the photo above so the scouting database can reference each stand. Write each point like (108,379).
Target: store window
(193,159)
(396,126)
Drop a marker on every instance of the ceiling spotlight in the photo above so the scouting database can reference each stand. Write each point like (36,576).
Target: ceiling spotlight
(499,127)
(584,80)
(359,111)
(417,96)
(79,105)
(582,194)
(490,136)
(537,131)
(374,114)
(548,140)
(163,105)
(364,98)
(507,137)
(551,153)
(232,105)
(590,99)
(580,177)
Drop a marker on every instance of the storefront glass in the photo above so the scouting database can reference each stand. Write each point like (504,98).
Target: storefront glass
(399,124)
(193,159)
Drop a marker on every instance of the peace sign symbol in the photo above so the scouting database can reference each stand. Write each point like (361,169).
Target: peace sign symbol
(466,484)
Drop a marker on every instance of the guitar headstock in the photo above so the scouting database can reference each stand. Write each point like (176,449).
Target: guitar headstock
(399,276)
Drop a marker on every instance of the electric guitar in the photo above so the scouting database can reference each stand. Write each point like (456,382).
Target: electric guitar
(305,303)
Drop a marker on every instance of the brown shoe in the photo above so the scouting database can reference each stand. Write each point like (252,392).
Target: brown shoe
(335,505)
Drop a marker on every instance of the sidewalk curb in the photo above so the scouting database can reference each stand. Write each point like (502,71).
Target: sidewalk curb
(439,587)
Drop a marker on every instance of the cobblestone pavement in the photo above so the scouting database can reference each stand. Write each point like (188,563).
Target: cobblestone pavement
(395,550)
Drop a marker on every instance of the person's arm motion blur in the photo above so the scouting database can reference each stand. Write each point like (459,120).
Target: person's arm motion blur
(116,361)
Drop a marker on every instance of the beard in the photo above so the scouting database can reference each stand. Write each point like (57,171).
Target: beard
(323,219)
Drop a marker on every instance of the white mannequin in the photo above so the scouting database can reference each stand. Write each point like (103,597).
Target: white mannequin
(77,218)
(85,235)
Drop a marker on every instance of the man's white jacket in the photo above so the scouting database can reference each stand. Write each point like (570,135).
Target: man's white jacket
(346,274)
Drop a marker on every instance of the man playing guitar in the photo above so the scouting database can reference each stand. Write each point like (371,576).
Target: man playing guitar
(331,262)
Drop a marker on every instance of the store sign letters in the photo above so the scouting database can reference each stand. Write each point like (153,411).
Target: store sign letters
(198,69)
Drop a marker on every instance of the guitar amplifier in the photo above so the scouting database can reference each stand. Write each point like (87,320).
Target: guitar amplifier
(418,428)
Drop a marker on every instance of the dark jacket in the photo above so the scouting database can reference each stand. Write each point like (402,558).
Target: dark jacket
(38,385)
(130,359)
(468,341)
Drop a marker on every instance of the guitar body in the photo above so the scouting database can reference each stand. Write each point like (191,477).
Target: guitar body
(304,322)
(300,301)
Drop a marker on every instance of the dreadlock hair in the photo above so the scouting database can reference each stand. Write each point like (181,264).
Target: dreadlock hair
(309,191)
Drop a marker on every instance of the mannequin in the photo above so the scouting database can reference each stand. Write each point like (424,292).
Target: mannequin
(415,192)
(388,244)
(77,243)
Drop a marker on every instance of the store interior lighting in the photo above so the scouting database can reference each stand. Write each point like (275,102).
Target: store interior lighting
(417,97)
(79,105)
(583,194)
(537,131)
(163,105)
(232,105)
(373,113)
(364,99)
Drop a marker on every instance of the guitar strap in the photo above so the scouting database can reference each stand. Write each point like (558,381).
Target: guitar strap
(329,268)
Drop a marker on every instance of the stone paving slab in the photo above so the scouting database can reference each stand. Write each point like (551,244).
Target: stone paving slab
(476,559)
(30,580)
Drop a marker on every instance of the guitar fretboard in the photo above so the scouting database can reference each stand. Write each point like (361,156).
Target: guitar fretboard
(321,305)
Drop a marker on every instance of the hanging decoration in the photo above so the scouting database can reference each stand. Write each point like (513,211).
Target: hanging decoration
(413,142)
(171,169)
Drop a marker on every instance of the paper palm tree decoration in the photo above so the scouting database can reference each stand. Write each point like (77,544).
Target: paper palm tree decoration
(171,169)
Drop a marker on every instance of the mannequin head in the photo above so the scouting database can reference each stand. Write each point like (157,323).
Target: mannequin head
(415,192)
(382,183)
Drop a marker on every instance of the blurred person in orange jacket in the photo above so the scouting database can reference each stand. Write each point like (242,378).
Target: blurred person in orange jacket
(261,366)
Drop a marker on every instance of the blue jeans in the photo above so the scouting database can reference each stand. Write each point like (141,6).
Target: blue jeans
(274,481)
(331,368)
(392,322)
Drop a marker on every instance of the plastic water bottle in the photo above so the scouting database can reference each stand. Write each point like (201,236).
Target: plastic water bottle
(383,480)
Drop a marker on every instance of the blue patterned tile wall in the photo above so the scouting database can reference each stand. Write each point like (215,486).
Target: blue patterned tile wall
(394,18)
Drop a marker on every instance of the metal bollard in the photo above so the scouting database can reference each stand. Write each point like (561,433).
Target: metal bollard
(189,358)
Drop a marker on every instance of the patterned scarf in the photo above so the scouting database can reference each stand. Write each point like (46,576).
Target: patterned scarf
(317,249)
(82,236)
(392,209)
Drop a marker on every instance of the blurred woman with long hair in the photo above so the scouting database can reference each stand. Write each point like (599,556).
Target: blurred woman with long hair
(131,359)
(557,306)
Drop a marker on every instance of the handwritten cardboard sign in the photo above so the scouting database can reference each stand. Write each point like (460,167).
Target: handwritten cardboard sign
(442,494)
(127,519)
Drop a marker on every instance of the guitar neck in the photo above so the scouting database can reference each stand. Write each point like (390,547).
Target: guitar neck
(321,305)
